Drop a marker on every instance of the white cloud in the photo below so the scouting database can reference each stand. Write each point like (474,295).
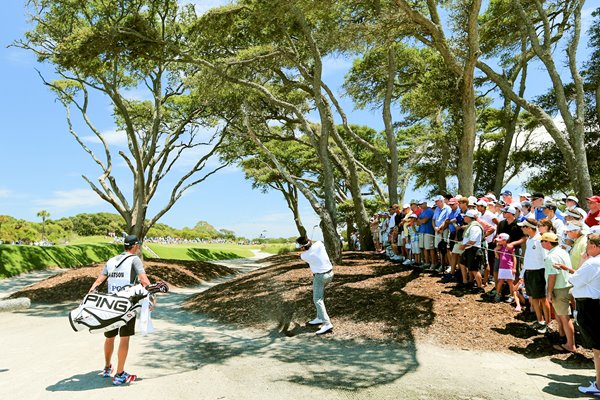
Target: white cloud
(112,137)
(71,199)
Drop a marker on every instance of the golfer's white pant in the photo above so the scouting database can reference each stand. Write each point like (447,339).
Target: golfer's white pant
(319,283)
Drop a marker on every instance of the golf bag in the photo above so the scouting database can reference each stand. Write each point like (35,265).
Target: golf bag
(101,312)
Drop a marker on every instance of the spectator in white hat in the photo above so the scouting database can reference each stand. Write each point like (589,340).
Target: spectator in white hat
(558,288)
(472,256)
(586,290)
(524,197)
(577,232)
(534,275)
(572,204)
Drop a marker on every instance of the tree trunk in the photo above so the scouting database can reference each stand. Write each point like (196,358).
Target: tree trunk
(598,101)
(467,143)
(466,147)
(509,132)
(392,166)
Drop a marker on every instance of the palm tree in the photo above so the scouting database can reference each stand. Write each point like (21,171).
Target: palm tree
(43,215)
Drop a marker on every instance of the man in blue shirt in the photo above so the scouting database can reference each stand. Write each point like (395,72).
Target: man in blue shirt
(440,215)
(426,234)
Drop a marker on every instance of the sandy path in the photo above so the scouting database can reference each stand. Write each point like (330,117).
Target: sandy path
(193,357)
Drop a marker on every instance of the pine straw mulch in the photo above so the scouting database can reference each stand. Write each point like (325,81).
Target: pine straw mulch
(73,284)
(373,298)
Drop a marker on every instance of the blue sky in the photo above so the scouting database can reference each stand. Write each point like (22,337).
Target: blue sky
(41,164)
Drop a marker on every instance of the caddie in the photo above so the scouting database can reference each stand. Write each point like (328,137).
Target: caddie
(123,270)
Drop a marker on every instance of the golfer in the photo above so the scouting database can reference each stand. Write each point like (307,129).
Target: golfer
(121,271)
(315,255)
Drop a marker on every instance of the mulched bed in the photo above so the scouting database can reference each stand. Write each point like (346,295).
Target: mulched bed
(369,298)
(373,298)
(73,284)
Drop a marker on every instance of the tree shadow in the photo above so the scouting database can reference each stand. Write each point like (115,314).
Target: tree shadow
(517,329)
(278,300)
(323,362)
(80,382)
(563,385)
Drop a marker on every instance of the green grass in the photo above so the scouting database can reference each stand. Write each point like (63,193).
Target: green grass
(278,248)
(91,239)
(202,252)
(15,260)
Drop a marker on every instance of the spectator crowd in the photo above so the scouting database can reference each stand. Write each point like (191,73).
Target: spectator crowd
(537,253)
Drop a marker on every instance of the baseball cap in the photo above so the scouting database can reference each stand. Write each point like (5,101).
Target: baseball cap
(438,198)
(453,201)
(130,240)
(572,198)
(491,196)
(503,236)
(572,213)
(549,237)
(594,199)
(481,203)
(528,195)
(509,209)
(413,215)
(528,224)
(405,205)
(537,195)
(551,206)
(424,201)
(471,214)
(574,226)
(414,201)
(506,193)
(525,203)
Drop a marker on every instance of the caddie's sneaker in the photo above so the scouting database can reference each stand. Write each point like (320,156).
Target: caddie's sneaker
(591,390)
(106,372)
(123,378)
(315,321)
(325,329)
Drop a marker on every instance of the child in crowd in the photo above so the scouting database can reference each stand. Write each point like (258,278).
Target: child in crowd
(507,266)
(414,238)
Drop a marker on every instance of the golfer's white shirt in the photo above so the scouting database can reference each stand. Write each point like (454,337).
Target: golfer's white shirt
(317,258)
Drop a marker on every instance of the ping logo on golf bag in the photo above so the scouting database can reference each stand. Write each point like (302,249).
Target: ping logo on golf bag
(106,303)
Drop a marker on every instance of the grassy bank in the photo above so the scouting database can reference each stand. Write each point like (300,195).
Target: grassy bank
(15,260)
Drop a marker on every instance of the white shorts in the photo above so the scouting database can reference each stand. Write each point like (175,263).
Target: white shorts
(439,236)
(426,241)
